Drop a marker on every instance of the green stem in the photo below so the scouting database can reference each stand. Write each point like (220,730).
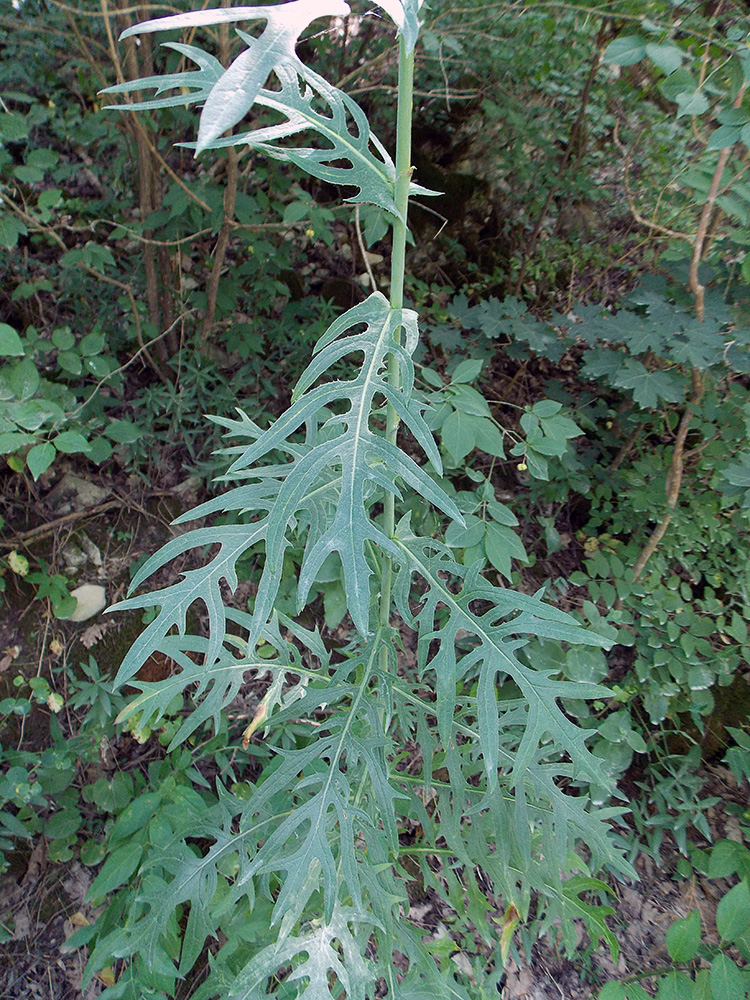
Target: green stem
(403,172)
(398,267)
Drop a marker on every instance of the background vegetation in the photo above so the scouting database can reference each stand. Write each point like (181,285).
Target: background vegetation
(583,286)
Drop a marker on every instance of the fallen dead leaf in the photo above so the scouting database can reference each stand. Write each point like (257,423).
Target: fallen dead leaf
(94,633)
(107,976)
(37,863)
(10,653)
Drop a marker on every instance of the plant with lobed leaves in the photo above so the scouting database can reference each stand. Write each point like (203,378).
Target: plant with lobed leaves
(316,845)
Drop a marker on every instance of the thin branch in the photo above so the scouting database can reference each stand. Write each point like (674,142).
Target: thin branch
(138,9)
(641,219)
(674,477)
(39,227)
(696,287)
(362,250)
(141,350)
(229,202)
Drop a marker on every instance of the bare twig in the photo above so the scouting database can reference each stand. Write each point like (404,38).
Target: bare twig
(698,242)
(696,287)
(41,530)
(571,157)
(641,219)
(362,250)
(674,477)
(230,199)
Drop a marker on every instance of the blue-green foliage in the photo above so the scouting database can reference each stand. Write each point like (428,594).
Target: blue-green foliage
(311,849)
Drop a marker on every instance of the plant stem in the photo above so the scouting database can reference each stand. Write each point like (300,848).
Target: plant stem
(398,268)
(571,158)
(403,172)
(674,477)
(696,287)
(230,201)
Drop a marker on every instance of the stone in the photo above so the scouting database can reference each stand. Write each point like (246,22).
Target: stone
(91,599)
(75,493)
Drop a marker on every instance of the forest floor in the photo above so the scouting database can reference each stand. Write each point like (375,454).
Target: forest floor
(42,901)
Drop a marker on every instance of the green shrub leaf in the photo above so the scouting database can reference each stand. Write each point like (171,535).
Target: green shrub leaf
(733,913)
(625,51)
(39,458)
(684,938)
(117,869)
(727,981)
(11,344)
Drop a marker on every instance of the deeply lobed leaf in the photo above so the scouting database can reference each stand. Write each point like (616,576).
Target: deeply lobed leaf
(527,743)
(228,94)
(331,483)
(318,838)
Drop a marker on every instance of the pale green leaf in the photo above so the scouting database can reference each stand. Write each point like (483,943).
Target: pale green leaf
(334,962)
(14,127)
(546,408)
(228,95)
(488,438)
(667,57)
(467,371)
(682,80)
(34,412)
(196,585)
(320,844)
(684,937)
(213,687)
(117,869)
(329,483)
(692,103)
(39,458)
(625,51)
(13,441)
(534,726)
(467,399)
(502,545)
(501,513)
(237,90)
(732,116)
(11,344)
(71,442)
(370,168)
(594,914)
(458,434)
(612,991)
(733,913)
(676,986)
(464,536)
(123,431)
(200,82)
(10,230)
(23,378)
(727,981)
(723,136)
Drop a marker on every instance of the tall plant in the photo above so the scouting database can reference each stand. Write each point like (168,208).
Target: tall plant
(457,771)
